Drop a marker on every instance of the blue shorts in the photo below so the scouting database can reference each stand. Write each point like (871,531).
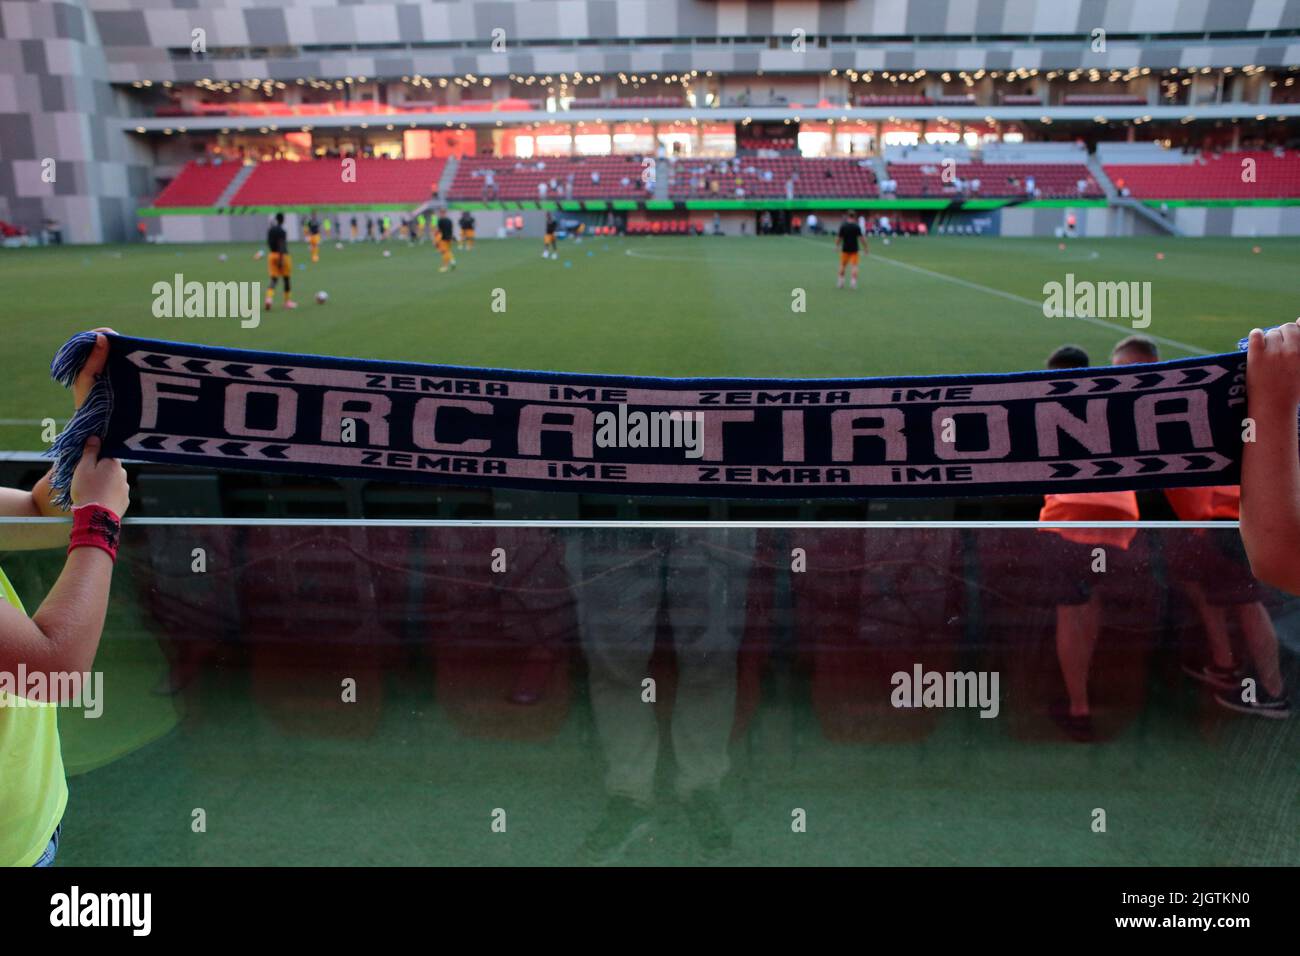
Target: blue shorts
(47,858)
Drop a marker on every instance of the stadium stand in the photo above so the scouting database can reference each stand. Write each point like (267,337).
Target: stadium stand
(1058,153)
(1276,176)
(627,102)
(198,184)
(897,99)
(928,153)
(767,178)
(1121,154)
(1102,99)
(1050,180)
(665,227)
(318,182)
(618,177)
(775,144)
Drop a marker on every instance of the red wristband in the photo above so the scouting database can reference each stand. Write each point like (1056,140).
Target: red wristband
(94,526)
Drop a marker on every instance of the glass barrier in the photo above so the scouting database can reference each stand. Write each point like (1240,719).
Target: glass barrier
(449,693)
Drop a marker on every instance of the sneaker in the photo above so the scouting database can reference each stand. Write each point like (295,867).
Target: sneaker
(853,284)
(839,283)
(708,824)
(290,304)
(1078,727)
(444,268)
(624,823)
(1220,678)
(1265,704)
(268,304)
(453,263)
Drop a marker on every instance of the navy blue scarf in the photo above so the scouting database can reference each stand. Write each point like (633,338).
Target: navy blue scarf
(1163,425)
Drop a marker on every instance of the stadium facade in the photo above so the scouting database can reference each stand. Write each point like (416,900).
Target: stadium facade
(104,102)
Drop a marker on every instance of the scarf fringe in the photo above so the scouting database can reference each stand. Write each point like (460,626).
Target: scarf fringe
(90,419)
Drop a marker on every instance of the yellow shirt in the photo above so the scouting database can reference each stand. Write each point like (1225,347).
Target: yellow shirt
(33,788)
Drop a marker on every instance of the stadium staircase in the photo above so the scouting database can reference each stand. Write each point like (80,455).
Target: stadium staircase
(1139,210)
(664,181)
(227,194)
(880,167)
(1142,211)
(448,176)
(1099,174)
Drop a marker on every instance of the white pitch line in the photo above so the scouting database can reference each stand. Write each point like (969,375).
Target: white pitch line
(1038,306)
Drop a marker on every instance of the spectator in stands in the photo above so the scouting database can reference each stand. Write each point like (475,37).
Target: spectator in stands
(1031,187)
(1071,552)
(1215,575)
(541,190)
(789,189)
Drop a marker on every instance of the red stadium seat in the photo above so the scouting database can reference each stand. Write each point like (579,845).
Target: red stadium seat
(1009,180)
(873,603)
(766,178)
(513,180)
(1214,177)
(312,615)
(500,642)
(199,184)
(319,183)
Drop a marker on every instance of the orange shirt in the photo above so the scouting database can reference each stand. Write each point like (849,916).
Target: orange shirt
(1214,503)
(1092,506)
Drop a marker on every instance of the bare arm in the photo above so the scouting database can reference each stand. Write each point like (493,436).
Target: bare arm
(1270,473)
(63,634)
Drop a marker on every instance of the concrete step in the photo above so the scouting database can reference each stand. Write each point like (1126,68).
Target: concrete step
(235,184)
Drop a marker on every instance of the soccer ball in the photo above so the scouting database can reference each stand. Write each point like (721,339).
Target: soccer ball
(257,254)
(338,245)
(221,258)
(387,253)
(322,298)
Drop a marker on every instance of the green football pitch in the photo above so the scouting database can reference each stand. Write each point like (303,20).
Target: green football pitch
(653,306)
(1182,784)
